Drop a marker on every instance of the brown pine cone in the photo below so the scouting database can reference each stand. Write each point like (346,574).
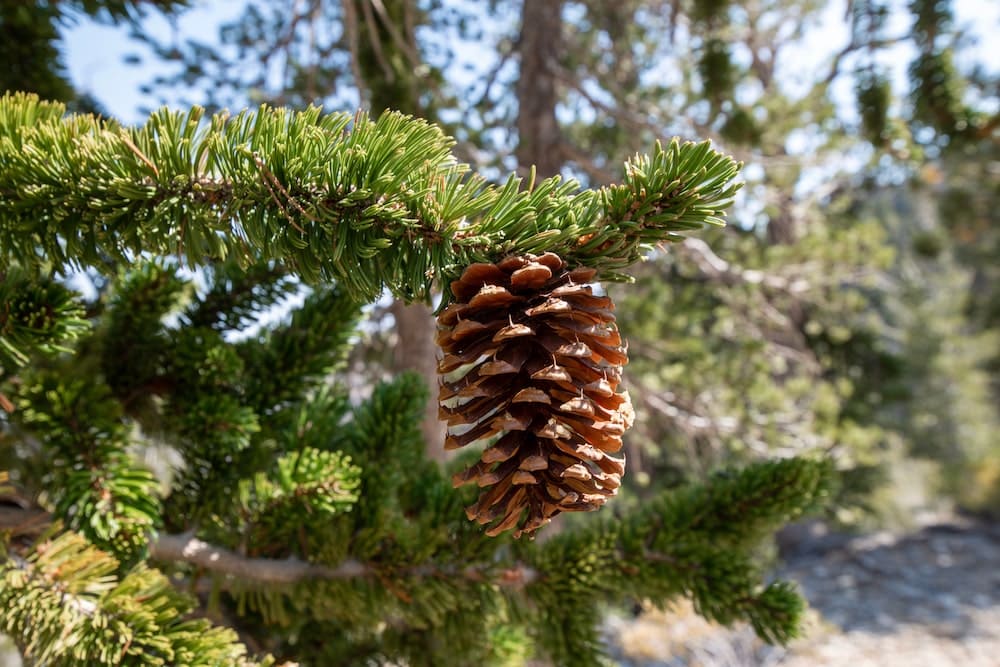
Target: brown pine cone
(532,355)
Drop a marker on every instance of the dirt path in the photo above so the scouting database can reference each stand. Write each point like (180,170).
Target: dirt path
(927,599)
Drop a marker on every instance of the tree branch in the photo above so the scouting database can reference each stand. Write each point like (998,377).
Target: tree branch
(22,521)
(381,205)
(853,46)
(715,268)
(186,548)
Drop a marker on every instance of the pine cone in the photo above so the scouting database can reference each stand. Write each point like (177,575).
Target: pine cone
(532,355)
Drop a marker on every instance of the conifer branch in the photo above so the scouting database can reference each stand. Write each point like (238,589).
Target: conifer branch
(63,604)
(36,314)
(185,548)
(696,542)
(369,204)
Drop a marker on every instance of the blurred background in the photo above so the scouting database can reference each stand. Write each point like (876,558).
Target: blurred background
(851,308)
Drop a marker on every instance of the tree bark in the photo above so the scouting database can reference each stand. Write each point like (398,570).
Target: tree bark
(541,43)
(782,228)
(186,548)
(416,351)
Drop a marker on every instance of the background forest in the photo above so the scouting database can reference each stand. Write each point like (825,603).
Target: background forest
(849,307)
(849,310)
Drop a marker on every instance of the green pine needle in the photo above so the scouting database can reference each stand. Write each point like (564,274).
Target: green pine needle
(368,204)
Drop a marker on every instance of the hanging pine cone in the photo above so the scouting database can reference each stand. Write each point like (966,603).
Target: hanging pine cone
(531,355)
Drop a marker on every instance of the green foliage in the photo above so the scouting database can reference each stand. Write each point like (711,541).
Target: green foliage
(681,542)
(952,419)
(740,128)
(294,359)
(760,361)
(38,315)
(938,88)
(874,94)
(95,486)
(718,76)
(134,336)
(299,496)
(282,471)
(709,11)
(937,92)
(381,205)
(238,296)
(66,606)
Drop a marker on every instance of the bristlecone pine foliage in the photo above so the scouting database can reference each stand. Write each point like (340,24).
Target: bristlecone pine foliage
(532,355)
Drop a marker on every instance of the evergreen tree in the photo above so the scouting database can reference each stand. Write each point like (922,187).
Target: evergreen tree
(29,43)
(297,523)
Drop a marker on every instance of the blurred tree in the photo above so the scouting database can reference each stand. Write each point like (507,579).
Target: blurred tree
(942,219)
(795,310)
(29,43)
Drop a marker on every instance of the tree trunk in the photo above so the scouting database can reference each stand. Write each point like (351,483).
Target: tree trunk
(416,351)
(782,228)
(539,140)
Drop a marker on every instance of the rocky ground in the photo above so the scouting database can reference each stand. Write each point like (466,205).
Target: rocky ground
(930,598)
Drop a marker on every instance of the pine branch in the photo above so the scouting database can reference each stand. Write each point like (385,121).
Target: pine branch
(20,521)
(133,339)
(369,204)
(64,605)
(285,363)
(188,549)
(36,315)
(684,544)
(237,296)
(185,548)
(696,541)
(762,496)
(253,572)
(96,487)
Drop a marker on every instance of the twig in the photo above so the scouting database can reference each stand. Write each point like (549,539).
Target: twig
(366,8)
(186,548)
(506,52)
(715,268)
(22,521)
(599,174)
(405,45)
(853,46)
(135,149)
(268,178)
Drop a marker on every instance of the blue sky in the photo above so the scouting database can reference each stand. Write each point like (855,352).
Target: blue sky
(94,53)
